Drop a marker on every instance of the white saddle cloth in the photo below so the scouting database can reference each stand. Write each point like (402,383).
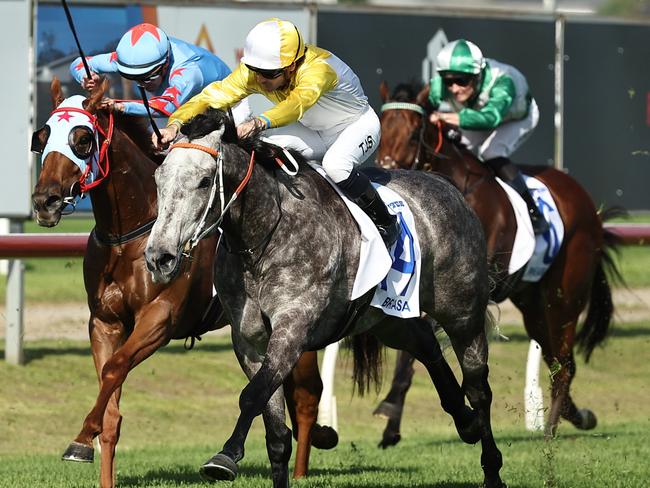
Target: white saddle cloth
(396,272)
(537,253)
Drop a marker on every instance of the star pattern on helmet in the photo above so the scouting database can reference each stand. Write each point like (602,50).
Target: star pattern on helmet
(65,115)
(113,57)
(139,30)
(176,72)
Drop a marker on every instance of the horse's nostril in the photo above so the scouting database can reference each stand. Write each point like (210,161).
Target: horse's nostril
(166,261)
(53,202)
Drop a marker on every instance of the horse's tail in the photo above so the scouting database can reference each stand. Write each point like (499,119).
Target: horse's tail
(368,357)
(601,307)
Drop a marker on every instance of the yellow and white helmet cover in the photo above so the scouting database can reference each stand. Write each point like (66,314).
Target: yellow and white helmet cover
(273,44)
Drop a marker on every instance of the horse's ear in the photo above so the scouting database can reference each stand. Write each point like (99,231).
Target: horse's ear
(56,93)
(96,96)
(383,91)
(422,97)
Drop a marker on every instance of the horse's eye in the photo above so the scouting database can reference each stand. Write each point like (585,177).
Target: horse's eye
(205,182)
(82,142)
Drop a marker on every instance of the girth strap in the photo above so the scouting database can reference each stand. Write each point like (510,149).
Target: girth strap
(113,240)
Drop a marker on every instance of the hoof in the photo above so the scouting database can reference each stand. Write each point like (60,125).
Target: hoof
(587,419)
(468,426)
(390,439)
(387,411)
(324,437)
(219,468)
(79,453)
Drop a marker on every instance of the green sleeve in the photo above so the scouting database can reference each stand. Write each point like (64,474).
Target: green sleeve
(492,114)
(435,91)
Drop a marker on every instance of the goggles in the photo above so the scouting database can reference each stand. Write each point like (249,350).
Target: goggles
(460,80)
(149,77)
(269,74)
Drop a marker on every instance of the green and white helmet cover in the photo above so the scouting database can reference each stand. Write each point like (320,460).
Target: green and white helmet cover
(460,56)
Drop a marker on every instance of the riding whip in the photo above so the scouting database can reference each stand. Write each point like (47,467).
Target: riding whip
(143,94)
(74,33)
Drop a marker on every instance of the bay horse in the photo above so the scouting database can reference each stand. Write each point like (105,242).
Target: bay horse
(551,307)
(131,317)
(287,264)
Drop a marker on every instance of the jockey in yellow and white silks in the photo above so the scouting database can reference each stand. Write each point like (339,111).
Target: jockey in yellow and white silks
(320,109)
(492,106)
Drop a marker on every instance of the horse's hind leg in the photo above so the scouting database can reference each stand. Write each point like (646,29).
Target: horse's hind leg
(392,406)
(416,335)
(472,353)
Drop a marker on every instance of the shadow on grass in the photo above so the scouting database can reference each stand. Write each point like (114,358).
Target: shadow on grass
(189,475)
(35,352)
(615,331)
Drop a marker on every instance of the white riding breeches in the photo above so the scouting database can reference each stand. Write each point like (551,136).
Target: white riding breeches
(340,149)
(505,139)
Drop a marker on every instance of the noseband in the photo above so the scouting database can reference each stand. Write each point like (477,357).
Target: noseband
(414,107)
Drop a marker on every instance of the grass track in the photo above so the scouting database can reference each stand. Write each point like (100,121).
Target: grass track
(179,407)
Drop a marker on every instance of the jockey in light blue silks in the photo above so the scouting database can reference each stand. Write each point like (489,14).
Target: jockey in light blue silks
(172,70)
(492,106)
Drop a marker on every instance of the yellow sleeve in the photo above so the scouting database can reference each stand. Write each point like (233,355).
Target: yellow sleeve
(311,83)
(219,94)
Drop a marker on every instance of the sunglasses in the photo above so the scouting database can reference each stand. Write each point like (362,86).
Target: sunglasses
(457,80)
(269,74)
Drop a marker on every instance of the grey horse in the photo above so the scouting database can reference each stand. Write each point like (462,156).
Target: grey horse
(287,264)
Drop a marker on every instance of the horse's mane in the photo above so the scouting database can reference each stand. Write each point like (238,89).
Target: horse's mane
(406,92)
(214,119)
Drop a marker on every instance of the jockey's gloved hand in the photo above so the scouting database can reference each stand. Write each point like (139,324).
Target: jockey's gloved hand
(89,84)
(168,134)
(111,105)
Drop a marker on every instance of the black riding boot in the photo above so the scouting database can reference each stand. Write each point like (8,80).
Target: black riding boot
(509,173)
(357,187)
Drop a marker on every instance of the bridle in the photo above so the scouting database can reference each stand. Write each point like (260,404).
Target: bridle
(201,229)
(414,107)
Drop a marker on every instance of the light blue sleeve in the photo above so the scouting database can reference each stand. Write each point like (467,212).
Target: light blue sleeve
(100,64)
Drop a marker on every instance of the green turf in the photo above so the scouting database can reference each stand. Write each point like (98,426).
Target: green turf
(179,407)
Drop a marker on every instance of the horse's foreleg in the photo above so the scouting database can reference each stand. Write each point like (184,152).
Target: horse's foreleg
(108,440)
(283,350)
(103,346)
(392,406)
(148,336)
(302,390)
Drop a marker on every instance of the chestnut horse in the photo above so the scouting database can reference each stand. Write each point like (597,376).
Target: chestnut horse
(550,307)
(130,316)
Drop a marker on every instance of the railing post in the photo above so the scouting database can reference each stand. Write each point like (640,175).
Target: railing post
(15,301)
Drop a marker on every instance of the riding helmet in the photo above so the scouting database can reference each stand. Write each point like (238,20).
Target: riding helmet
(273,44)
(141,50)
(460,56)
